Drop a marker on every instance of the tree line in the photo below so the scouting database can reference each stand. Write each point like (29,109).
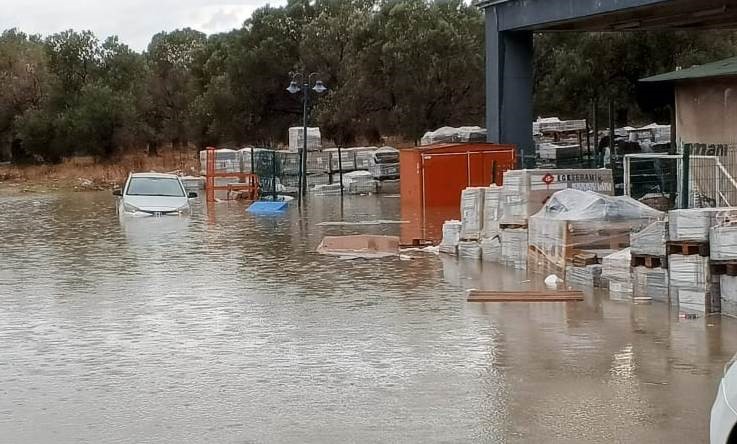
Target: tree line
(393,68)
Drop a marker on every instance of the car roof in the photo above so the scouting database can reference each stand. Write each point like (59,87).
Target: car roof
(155,175)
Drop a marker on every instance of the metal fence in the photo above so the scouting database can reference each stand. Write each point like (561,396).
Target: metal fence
(691,179)
(279,171)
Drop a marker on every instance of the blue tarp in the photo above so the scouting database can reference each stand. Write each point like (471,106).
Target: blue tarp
(267,207)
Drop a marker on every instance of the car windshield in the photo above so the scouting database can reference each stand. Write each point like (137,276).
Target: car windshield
(154,186)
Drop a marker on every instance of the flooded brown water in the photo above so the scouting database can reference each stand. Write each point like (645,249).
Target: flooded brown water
(225,327)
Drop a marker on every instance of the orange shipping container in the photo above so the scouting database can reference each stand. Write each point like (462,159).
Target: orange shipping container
(433,177)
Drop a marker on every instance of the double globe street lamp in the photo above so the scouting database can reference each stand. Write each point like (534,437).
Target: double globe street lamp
(294,88)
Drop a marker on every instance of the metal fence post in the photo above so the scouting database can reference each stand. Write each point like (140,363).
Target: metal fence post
(273,174)
(685,172)
(340,170)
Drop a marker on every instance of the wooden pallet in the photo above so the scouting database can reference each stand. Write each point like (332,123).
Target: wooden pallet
(724,267)
(525,296)
(512,226)
(647,261)
(584,259)
(687,248)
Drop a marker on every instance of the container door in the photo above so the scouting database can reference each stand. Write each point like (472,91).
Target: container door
(444,177)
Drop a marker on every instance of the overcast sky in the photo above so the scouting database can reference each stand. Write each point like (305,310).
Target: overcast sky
(134,21)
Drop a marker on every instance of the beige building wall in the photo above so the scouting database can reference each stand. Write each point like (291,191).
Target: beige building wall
(706,111)
(706,114)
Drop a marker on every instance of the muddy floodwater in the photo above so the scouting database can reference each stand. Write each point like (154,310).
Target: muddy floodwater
(225,327)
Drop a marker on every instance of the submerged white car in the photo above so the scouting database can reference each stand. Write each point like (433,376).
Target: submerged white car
(723,428)
(153,194)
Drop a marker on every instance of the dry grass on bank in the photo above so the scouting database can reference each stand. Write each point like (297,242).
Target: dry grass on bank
(84,173)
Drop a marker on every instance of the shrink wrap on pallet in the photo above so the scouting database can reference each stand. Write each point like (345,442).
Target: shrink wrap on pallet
(472,212)
(384,163)
(572,221)
(226,161)
(514,247)
(690,225)
(650,240)
(650,283)
(492,211)
(347,160)
(451,237)
(728,289)
(491,248)
(690,282)
(526,191)
(588,276)
(723,243)
(469,250)
(615,268)
(296,138)
(359,182)
(449,134)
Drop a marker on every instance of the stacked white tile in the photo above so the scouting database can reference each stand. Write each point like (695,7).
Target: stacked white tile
(226,161)
(690,282)
(514,247)
(588,276)
(296,139)
(651,240)
(650,283)
(451,237)
(723,240)
(491,248)
(492,211)
(616,269)
(469,250)
(690,225)
(472,212)
(728,287)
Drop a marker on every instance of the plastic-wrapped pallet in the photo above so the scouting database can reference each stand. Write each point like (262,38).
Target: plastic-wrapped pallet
(384,163)
(445,134)
(472,212)
(317,162)
(347,159)
(514,247)
(574,220)
(296,139)
(690,282)
(359,182)
(690,225)
(588,276)
(363,157)
(723,243)
(468,134)
(651,240)
(492,212)
(615,268)
(226,161)
(491,248)
(650,283)
(728,288)
(469,250)
(451,237)
(526,191)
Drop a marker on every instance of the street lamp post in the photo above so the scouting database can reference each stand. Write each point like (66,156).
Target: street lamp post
(295,88)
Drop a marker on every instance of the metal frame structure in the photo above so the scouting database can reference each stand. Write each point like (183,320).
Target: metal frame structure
(248,182)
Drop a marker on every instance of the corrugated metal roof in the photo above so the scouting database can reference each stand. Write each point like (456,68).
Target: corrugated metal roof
(721,68)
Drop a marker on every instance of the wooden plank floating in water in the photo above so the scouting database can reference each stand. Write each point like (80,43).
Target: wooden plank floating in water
(524,296)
